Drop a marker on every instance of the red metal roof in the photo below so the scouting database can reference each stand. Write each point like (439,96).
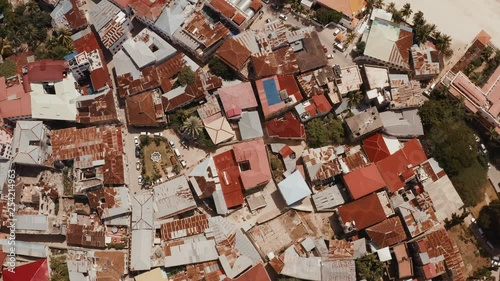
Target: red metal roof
(233,53)
(255,5)
(365,212)
(388,232)
(287,127)
(239,18)
(46,70)
(375,148)
(223,7)
(286,151)
(229,177)
(414,152)
(391,169)
(35,271)
(364,181)
(256,273)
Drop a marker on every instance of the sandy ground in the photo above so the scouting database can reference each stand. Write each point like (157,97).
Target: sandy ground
(461,19)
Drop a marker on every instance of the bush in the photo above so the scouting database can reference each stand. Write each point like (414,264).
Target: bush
(489,221)
(8,68)
(324,131)
(369,267)
(185,77)
(326,16)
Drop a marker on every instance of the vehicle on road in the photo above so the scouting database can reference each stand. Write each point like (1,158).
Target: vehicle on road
(483,148)
(143,134)
(336,31)
(325,49)
(183,163)
(137,151)
(158,134)
(138,165)
(139,180)
(283,17)
(495,261)
(330,56)
(136,140)
(340,47)
(171,143)
(177,153)
(480,231)
(268,20)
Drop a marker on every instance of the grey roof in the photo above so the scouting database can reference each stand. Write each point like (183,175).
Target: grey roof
(364,123)
(122,205)
(402,123)
(444,197)
(359,248)
(220,202)
(246,248)
(250,125)
(173,197)
(102,13)
(142,211)
(302,268)
(183,38)
(142,245)
(124,64)
(338,270)
(28,143)
(32,222)
(219,228)
(59,12)
(328,198)
(140,51)
(28,249)
(171,19)
(191,252)
(308,244)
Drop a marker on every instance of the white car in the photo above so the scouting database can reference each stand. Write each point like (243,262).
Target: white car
(330,56)
(283,17)
(159,134)
(171,143)
(136,140)
(139,179)
(138,165)
(143,134)
(183,163)
(336,31)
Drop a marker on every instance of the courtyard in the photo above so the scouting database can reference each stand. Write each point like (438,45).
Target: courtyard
(157,158)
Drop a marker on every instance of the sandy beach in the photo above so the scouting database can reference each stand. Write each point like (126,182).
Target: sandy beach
(461,19)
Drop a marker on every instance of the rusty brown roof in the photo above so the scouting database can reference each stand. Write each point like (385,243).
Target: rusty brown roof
(99,109)
(388,232)
(313,56)
(145,109)
(111,265)
(204,32)
(281,61)
(184,227)
(233,54)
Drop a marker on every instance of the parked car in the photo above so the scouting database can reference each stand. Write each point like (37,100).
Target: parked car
(136,140)
(473,220)
(480,231)
(138,165)
(183,163)
(177,153)
(495,261)
(137,152)
(336,31)
(283,17)
(139,180)
(330,56)
(171,143)
(325,49)
(432,87)
(483,148)
(143,133)
(268,20)
(158,134)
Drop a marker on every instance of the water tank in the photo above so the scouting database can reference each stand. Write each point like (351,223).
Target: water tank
(249,13)
(244,4)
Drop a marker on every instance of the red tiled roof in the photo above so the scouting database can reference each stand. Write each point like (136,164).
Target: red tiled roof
(322,103)
(483,37)
(391,169)
(388,232)
(414,152)
(287,127)
(255,5)
(365,212)
(364,181)
(142,111)
(46,70)
(404,44)
(76,16)
(100,77)
(375,148)
(233,53)
(14,101)
(229,176)
(100,109)
(255,153)
(223,7)
(256,273)
(34,271)
(148,9)
(288,83)
(239,18)
(281,61)
(286,151)
(204,32)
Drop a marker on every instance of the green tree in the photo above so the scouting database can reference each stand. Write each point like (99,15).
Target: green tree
(8,68)
(418,18)
(355,98)
(443,43)
(185,77)
(63,38)
(193,126)
(369,267)
(489,221)
(219,68)
(360,47)
(326,16)
(5,47)
(406,11)
(377,4)
(391,8)
(59,269)
(324,131)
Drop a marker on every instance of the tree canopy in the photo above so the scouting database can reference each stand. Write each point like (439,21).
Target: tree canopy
(326,16)
(324,131)
(219,68)
(489,221)
(185,77)
(8,68)
(452,143)
(369,267)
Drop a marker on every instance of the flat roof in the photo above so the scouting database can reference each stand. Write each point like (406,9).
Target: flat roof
(254,153)
(351,79)
(173,197)
(294,188)
(239,96)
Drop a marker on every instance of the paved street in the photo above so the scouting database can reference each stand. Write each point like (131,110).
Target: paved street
(494,177)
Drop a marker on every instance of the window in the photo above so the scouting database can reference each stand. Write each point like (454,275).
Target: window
(244,166)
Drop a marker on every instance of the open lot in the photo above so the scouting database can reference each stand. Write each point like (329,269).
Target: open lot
(466,243)
(489,195)
(165,152)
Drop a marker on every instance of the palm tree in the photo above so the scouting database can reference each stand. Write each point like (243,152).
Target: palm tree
(397,16)
(418,19)
(64,38)
(193,126)
(355,98)
(377,4)
(391,8)
(406,11)
(492,134)
(5,46)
